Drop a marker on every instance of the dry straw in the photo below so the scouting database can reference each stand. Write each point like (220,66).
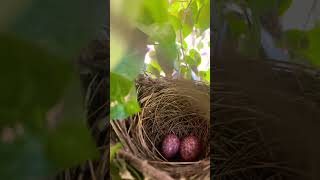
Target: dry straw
(168,106)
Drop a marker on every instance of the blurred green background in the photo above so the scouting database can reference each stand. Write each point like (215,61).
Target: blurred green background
(39,43)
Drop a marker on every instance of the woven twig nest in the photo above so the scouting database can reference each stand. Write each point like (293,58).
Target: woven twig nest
(168,106)
(258,108)
(92,63)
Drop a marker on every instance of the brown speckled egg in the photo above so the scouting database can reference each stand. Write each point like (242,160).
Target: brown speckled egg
(170,146)
(190,148)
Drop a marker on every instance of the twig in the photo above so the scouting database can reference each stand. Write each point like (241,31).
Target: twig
(185,11)
(311,11)
(144,166)
(93,176)
(181,36)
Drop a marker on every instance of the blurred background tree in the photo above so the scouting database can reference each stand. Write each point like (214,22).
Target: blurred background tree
(42,122)
(161,38)
(257,28)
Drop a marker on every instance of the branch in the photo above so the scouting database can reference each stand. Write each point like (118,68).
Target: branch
(311,11)
(144,167)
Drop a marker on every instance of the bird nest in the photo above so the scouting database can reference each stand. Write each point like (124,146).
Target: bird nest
(168,106)
(257,110)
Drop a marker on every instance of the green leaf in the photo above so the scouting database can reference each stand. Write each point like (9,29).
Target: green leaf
(26,71)
(132,106)
(296,40)
(188,74)
(284,6)
(184,44)
(152,70)
(167,53)
(175,8)
(175,22)
(249,43)
(114,149)
(187,18)
(205,75)
(312,52)
(202,74)
(156,65)
(189,60)
(130,65)
(119,87)
(199,3)
(207,78)
(186,15)
(118,112)
(183,69)
(154,11)
(194,54)
(194,58)
(186,29)
(260,7)
(185,72)
(63,27)
(191,13)
(237,24)
(159,32)
(203,18)
(70,144)
(123,97)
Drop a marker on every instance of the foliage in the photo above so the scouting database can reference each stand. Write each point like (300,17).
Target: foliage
(188,20)
(248,17)
(38,40)
(304,45)
(114,149)
(166,25)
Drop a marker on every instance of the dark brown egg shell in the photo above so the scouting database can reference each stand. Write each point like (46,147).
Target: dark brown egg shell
(190,148)
(170,146)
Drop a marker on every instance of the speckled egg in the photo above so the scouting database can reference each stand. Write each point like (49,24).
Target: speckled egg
(190,148)
(170,146)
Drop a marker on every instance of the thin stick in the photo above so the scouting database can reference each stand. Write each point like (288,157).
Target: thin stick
(93,176)
(144,166)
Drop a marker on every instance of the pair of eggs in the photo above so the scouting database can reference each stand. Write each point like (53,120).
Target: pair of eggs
(188,147)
